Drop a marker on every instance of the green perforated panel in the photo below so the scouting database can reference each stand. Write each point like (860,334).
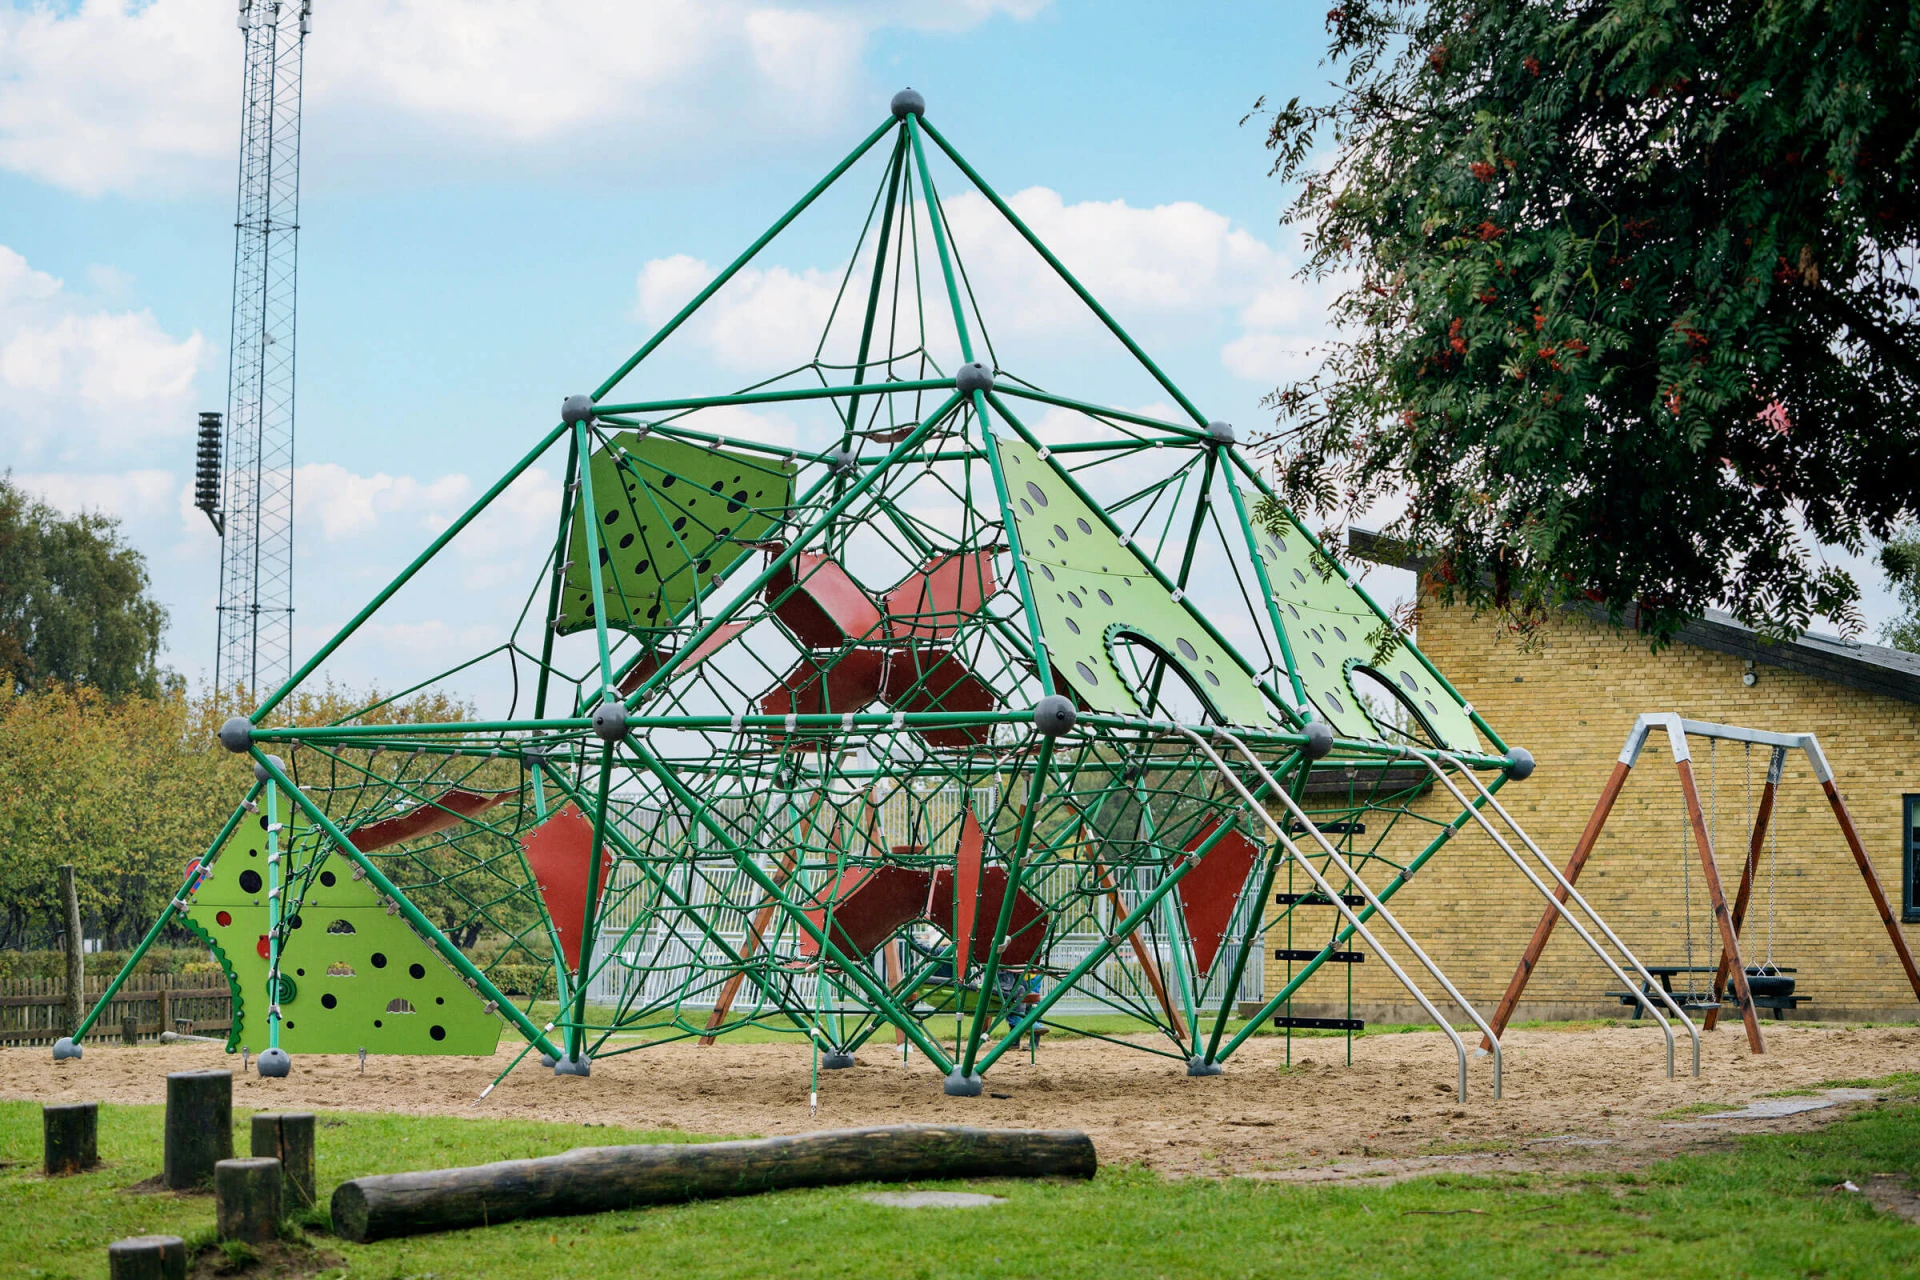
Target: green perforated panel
(1330,630)
(1089,589)
(673,517)
(354,976)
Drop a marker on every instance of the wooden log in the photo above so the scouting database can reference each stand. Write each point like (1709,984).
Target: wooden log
(76,950)
(596,1179)
(130,1030)
(287,1136)
(71,1133)
(199,1126)
(246,1199)
(147,1258)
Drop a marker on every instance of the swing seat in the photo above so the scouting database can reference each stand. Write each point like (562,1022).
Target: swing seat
(1769,986)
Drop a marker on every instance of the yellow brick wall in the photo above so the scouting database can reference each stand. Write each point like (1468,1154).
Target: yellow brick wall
(1571,702)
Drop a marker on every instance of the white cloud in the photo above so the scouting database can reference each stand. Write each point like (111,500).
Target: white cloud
(349,505)
(126,95)
(128,495)
(762,319)
(75,378)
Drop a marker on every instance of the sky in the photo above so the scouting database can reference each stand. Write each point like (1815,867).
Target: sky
(500,197)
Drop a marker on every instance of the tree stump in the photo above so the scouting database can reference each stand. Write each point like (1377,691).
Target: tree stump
(287,1136)
(199,1129)
(246,1197)
(130,1030)
(72,1135)
(147,1258)
(594,1179)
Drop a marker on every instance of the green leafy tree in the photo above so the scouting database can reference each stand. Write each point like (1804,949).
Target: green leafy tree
(1900,557)
(1628,301)
(74,607)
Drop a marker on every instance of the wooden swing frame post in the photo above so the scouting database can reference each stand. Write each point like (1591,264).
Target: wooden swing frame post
(1730,920)
(1762,820)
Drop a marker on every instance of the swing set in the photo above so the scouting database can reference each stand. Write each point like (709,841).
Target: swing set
(1731,976)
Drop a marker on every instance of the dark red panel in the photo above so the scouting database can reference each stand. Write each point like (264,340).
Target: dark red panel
(1209,891)
(424,819)
(930,603)
(560,852)
(869,904)
(930,678)
(850,682)
(1026,929)
(651,662)
(971,853)
(821,603)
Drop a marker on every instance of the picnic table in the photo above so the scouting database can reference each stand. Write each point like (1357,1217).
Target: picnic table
(1703,999)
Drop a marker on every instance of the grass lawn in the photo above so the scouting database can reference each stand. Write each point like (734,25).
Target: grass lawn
(1768,1208)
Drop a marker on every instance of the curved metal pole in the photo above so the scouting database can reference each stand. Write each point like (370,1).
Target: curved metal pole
(1561,907)
(1320,882)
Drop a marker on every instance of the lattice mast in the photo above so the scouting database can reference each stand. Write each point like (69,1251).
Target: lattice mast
(254,645)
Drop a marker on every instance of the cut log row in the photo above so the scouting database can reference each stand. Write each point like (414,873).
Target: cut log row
(596,1179)
(71,1134)
(247,1199)
(287,1136)
(147,1258)
(199,1127)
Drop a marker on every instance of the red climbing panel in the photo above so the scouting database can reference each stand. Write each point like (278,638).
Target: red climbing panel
(868,905)
(1026,929)
(651,662)
(930,678)
(1209,891)
(852,683)
(449,809)
(965,899)
(560,852)
(930,603)
(821,604)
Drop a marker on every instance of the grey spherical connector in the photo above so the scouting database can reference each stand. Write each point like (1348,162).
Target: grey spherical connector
(1519,764)
(576,409)
(236,735)
(273,1064)
(547,1060)
(843,462)
(1053,715)
(580,1066)
(1222,432)
(65,1048)
(1199,1066)
(959,1086)
(610,721)
(1319,740)
(260,771)
(835,1061)
(908,102)
(973,376)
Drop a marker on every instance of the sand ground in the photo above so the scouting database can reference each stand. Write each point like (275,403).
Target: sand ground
(1593,1098)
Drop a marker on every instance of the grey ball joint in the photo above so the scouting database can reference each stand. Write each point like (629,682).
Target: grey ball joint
(260,771)
(580,1066)
(576,409)
(959,1086)
(610,721)
(1199,1066)
(1319,740)
(65,1048)
(908,102)
(1053,715)
(1519,764)
(843,462)
(973,376)
(273,1064)
(236,735)
(1222,432)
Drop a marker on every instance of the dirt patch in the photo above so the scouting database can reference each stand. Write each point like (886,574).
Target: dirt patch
(1890,1195)
(1573,1099)
(258,1262)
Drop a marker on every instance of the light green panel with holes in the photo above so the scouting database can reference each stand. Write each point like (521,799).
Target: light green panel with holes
(1329,628)
(358,976)
(1087,586)
(673,517)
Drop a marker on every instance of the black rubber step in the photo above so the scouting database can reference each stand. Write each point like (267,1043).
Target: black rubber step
(1337,957)
(1317,900)
(1320,1024)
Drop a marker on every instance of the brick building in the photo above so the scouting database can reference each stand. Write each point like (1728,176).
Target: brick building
(1571,700)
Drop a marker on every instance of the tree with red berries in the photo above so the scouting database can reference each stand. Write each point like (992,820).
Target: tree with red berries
(1633,314)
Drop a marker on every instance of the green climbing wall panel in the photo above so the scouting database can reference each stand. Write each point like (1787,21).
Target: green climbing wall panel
(1092,593)
(1330,629)
(673,517)
(353,976)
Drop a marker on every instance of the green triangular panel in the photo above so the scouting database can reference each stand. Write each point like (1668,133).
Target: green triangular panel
(1330,629)
(1088,588)
(673,517)
(353,970)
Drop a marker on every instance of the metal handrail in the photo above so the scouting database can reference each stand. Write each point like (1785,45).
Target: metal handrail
(1647,979)
(1320,882)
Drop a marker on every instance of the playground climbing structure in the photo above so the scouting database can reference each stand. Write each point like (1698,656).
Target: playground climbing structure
(969,701)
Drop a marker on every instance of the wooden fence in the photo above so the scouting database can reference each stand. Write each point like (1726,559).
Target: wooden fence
(34,1010)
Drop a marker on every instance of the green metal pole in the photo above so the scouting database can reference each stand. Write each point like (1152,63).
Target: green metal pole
(274,882)
(1266,587)
(421,925)
(559,577)
(775,397)
(589,924)
(590,521)
(174,904)
(873,291)
(753,249)
(1016,872)
(939,236)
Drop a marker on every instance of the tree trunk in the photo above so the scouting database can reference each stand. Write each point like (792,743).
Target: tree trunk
(72,1136)
(288,1137)
(595,1179)
(199,1127)
(147,1258)
(246,1199)
(76,941)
